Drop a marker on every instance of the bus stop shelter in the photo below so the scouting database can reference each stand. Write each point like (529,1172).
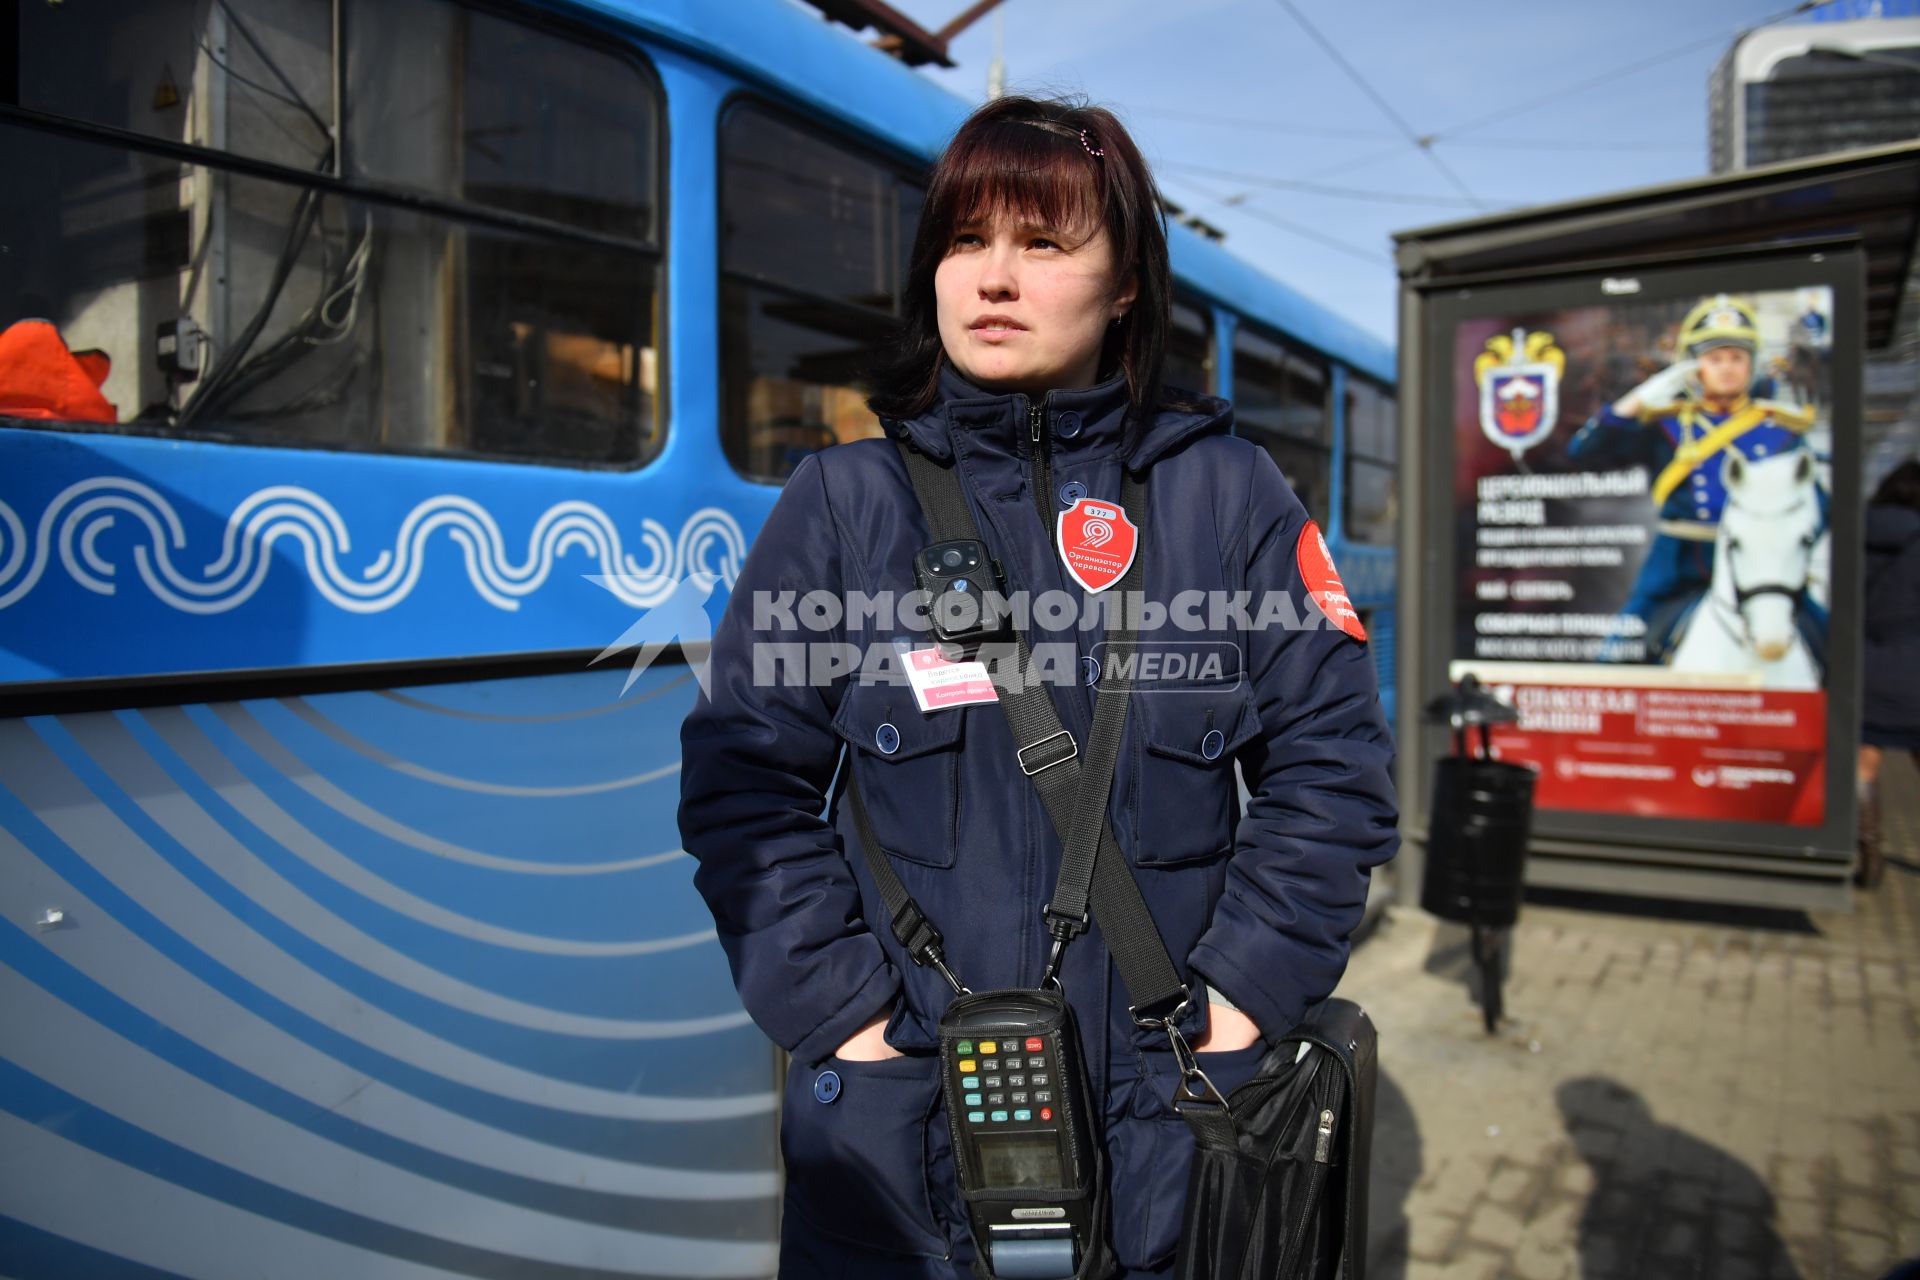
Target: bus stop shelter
(1563,549)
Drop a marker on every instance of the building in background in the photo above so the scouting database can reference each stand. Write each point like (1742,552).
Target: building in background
(1848,78)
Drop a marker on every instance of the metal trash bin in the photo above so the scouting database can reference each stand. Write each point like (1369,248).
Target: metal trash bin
(1479,822)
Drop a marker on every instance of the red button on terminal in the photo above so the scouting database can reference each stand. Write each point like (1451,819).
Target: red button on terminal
(1035,1044)
(1046,1113)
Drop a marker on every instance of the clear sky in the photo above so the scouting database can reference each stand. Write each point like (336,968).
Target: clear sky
(1226,95)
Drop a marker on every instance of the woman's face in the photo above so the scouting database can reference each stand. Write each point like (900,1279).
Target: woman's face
(1025,308)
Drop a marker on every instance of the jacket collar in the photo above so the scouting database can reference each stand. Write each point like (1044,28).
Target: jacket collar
(960,405)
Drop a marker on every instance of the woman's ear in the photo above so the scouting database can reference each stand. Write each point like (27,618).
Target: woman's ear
(1123,299)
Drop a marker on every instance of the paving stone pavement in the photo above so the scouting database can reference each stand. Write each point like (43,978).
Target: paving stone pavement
(1720,1094)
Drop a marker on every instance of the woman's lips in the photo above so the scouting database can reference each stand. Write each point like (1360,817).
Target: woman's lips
(995,330)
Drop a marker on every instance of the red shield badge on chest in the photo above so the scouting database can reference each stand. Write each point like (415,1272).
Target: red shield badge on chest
(1097,542)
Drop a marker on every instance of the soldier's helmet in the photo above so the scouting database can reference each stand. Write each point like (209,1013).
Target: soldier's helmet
(1720,321)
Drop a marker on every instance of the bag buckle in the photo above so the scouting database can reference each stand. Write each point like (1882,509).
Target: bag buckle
(1064,929)
(1072,750)
(1153,1022)
(922,941)
(1194,1085)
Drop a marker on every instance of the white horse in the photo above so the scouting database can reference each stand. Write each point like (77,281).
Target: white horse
(1763,558)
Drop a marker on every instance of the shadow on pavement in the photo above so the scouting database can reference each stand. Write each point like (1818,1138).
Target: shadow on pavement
(1397,1161)
(1663,1201)
(1774,919)
(1451,957)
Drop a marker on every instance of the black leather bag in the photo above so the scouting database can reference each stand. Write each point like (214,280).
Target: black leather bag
(1278,1187)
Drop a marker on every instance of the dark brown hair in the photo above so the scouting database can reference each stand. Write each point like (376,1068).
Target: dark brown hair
(1025,157)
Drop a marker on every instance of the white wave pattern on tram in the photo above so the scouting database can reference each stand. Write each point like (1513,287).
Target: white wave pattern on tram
(710,540)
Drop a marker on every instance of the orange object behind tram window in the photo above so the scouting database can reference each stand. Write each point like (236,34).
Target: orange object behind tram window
(40,378)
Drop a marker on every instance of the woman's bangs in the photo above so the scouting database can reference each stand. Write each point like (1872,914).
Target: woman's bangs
(1030,175)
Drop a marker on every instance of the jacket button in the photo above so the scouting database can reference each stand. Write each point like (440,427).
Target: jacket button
(1067,424)
(826,1086)
(1071,492)
(1089,670)
(887,738)
(1211,744)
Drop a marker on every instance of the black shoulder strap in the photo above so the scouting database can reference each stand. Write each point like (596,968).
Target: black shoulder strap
(1093,871)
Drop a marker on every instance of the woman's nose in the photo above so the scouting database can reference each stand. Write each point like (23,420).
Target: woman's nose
(998,277)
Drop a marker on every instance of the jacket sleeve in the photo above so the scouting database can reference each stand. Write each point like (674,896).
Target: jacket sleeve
(1321,811)
(757,758)
(1609,440)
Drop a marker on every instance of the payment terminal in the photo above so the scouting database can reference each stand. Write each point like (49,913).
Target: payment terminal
(1022,1136)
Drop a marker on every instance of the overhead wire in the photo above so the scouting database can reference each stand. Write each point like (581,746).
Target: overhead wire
(1321,189)
(1266,126)
(1423,143)
(1364,160)
(1305,232)
(1426,142)
(1631,68)
(1288,128)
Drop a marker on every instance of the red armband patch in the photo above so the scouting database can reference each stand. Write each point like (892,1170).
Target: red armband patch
(1323,582)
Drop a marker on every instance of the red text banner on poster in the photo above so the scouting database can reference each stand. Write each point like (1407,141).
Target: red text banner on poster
(1751,755)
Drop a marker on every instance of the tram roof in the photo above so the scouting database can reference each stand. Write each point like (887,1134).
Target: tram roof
(1870,197)
(797,54)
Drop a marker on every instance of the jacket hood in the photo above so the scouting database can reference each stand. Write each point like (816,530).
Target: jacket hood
(1890,528)
(1100,410)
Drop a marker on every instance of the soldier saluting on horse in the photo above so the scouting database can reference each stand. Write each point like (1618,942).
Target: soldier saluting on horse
(1682,424)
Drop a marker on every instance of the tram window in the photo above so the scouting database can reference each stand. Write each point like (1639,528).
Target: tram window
(331,314)
(1373,513)
(251,77)
(439,98)
(1189,362)
(1280,402)
(505,115)
(814,239)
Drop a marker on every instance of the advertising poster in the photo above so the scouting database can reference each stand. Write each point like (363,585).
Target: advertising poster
(1643,565)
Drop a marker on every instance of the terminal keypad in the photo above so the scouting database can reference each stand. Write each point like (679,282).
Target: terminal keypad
(1006,1083)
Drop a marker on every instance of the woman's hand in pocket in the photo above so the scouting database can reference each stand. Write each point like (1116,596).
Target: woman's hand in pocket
(868,1044)
(1227,1030)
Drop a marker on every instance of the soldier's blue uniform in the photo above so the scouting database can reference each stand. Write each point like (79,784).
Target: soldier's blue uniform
(1261,907)
(1683,446)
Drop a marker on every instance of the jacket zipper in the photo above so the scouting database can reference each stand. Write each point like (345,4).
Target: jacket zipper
(1042,471)
(1036,432)
(1310,1198)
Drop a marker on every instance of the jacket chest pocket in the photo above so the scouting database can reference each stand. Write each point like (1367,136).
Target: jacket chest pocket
(1184,801)
(908,767)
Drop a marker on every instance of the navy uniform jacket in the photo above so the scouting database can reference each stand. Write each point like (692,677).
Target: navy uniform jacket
(1260,907)
(1684,446)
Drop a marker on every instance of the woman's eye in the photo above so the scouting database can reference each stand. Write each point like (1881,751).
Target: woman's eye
(966,237)
(1042,240)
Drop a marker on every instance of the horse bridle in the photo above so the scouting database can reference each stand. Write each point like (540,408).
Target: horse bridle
(1743,594)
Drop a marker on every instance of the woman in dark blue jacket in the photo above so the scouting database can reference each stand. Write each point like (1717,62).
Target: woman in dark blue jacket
(1031,341)
(1890,653)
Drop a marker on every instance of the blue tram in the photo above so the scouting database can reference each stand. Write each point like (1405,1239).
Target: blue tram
(366,367)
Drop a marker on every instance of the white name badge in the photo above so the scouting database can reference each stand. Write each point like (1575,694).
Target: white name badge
(939,683)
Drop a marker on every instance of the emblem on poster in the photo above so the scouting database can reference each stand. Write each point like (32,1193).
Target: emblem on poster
(1519,379)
